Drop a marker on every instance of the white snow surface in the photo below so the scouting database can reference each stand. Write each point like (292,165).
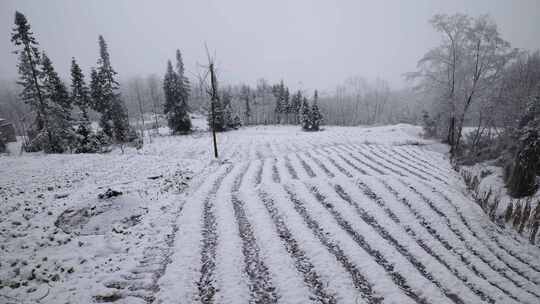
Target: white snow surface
(345,215)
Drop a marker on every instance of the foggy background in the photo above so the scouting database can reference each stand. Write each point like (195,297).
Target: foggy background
(309,44)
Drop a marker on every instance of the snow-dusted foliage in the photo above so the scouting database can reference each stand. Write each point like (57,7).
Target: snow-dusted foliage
(176,88)
(107,99)
(522,180)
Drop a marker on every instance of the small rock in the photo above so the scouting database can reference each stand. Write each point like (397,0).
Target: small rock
(109,193)
(59,196)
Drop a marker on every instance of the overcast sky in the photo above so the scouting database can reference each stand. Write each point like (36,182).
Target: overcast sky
(312,44)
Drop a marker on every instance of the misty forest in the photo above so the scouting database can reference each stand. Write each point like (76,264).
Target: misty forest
(144,172)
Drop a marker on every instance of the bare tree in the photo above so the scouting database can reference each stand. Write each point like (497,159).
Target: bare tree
(464,68)
(156,98)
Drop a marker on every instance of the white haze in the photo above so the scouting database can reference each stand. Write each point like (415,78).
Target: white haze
(310,44)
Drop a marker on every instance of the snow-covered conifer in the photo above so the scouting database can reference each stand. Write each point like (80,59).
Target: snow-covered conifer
(305,117)
(316,116)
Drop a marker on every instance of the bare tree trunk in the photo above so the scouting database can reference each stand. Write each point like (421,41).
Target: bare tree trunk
(141,112)
(214,98)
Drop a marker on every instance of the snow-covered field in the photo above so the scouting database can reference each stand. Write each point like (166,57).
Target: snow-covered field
(347,215)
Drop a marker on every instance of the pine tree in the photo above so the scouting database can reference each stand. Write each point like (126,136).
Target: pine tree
(59,110)
(96,92)
(29,77)
(80,95)
(175,106)
(316,117)
(305,118)
(184,87)
(296,105)
(278,91)
(285,106)
(237,122)
(219,116)
(3,146)
(106,99)
(245,95)
(87,141)
(176,89)
(228,117)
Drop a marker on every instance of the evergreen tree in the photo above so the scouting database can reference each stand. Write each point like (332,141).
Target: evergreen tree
(237,122)
(175,106)
(176,89)
(87,141)
(106,99)
(228,117)
(184,86)
(96,92)
(3,146)
(245,95)
(285,106)
(59,110)
(316,117)
(29,77)
(522,174)
(296,105)
(80,95)
(278,91)
(219,116)
(305,118)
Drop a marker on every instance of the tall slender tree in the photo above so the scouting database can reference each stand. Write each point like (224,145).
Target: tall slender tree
(245,95)
(29,76)
(176,88)
(80,95)
(295,105)
(107,100)
(305,117)
(315,117)
(59,110)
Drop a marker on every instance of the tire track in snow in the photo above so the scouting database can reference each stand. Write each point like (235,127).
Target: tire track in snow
(461,237)
(445,243)
(184,268)
(320,164)
(301,261)
(398,278)
(474,233)
(206,283)
(359,280)
(368,192)
(260,284)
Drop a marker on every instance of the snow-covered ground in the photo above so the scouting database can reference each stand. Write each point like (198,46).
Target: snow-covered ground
(346,215)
